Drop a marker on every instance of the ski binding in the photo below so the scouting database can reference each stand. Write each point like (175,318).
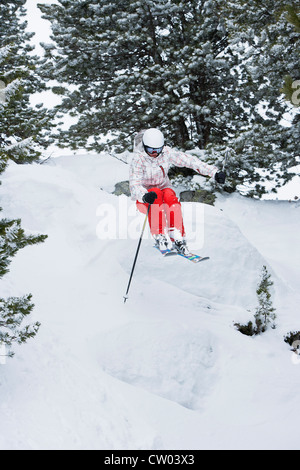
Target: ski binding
(167,251)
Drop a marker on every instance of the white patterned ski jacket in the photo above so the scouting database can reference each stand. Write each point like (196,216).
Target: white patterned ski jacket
(147,172)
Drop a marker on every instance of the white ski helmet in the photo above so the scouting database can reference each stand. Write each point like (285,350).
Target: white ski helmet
(153,139)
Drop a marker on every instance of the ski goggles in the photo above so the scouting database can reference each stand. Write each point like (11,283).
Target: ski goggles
(152,150)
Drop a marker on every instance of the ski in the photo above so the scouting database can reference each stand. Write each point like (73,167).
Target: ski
(190,256)
(166,252)
(194,258)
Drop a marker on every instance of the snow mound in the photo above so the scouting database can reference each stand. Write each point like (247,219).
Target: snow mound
(163,358)
(166,370)
(231,274)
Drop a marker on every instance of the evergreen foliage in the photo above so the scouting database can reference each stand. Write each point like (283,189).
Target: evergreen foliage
(135,64)
(293,16)
(207,72)
(291,87)
(293,339)
(12,239)
(20,125)
(13,311)
(23,129)
(265,312)
(267,150)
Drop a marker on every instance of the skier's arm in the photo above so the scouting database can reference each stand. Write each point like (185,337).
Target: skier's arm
(182,159)
(135,180)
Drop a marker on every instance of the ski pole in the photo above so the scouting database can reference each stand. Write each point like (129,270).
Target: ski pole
(136,255)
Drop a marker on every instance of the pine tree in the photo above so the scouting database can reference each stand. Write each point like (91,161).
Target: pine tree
(267,149)
(14,310)
(207,72)
(135,64)
(23,129)
(265,312)
(18,124)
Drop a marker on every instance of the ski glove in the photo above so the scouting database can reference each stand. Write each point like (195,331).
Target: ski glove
(150,197)
(220,177)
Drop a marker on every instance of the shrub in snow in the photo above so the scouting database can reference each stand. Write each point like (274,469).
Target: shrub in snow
(293,339)
(14,310)
(265,312)
(12,313)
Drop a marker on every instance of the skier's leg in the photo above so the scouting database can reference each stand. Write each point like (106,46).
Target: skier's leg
(175,221)
(157,219)
(173,212)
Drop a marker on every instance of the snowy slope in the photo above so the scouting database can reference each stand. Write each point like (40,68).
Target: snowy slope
(166,370)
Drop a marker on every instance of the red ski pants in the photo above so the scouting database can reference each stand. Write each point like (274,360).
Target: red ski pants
(165,213)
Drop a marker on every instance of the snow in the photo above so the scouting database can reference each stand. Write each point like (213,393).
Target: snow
(166,370)
(37,24)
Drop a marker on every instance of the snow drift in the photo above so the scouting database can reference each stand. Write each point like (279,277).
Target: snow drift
(166,370)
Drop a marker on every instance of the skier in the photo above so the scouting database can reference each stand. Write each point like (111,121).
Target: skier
(150,184)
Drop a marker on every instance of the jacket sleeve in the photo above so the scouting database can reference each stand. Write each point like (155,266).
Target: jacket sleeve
(135,180)
(182,159)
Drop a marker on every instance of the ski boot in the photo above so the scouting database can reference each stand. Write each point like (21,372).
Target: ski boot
(179,242)
(162,242)
(181,247)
